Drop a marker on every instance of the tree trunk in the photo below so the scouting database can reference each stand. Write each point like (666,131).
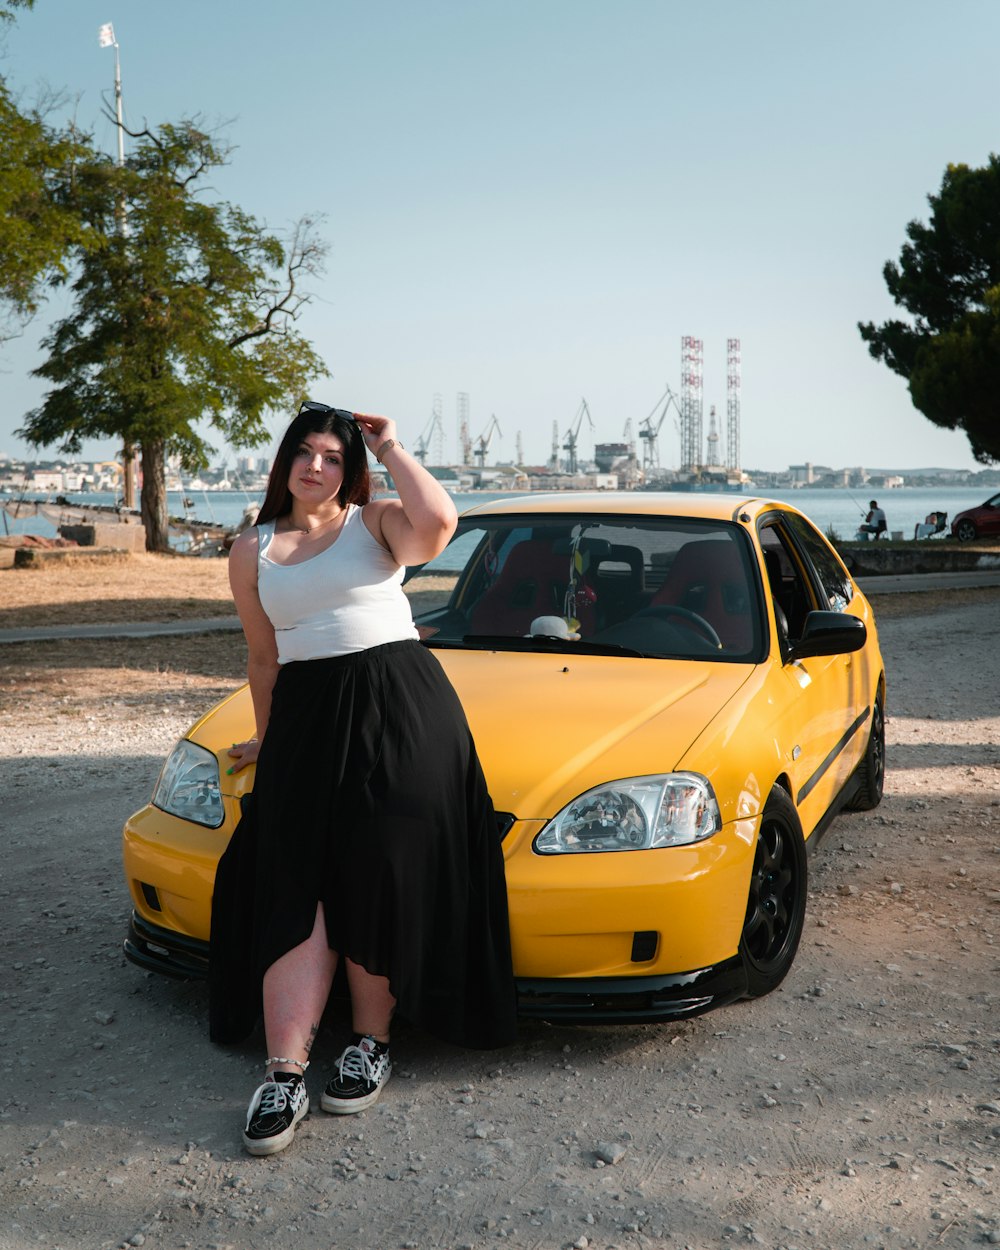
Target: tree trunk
(128,474)
(154,495)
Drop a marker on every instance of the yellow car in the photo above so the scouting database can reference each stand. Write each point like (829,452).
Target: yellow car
(672,696)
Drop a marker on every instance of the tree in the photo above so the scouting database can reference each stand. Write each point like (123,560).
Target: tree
(39,227)
(948,281)
(185,313)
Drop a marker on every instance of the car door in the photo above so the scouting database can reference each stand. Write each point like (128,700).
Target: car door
(823,725)
(988,521)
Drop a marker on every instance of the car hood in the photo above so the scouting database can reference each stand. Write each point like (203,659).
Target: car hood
(547,727)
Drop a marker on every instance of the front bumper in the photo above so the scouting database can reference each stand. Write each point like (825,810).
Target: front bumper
(631,1000)
(162,950)
(560,1000)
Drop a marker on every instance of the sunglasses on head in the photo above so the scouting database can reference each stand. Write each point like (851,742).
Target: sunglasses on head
(310,405)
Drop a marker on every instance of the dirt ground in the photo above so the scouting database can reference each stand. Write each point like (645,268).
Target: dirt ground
(858,1106)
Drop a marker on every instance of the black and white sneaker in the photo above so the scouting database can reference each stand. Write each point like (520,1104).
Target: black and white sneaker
(362,1071)
(275,1109)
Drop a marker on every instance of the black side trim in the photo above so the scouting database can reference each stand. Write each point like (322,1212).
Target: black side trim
(846,737)
(164,951)
(641,1000)
(832,812)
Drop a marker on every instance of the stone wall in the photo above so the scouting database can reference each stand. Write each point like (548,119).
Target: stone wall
(881,559)
(103,534)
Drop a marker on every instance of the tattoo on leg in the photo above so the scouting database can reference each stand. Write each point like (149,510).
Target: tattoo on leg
(312,1037)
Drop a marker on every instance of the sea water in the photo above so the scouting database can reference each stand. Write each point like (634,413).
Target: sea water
(834,511)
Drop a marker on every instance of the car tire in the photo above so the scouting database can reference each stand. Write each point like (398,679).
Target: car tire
(776,908)
(870,773)
(965,532)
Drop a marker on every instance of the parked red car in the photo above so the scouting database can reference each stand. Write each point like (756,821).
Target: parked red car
(977,522)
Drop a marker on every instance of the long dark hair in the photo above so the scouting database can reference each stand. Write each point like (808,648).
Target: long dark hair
(318,419)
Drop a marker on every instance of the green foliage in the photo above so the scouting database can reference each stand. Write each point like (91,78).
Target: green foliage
(39,226)
(6,7)
(185,314)
(948,281)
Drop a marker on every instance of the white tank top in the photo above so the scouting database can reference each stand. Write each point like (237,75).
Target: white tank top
(347,598)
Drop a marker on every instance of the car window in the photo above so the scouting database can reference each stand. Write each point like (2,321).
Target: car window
(791,588)
(833,577)
(648,586)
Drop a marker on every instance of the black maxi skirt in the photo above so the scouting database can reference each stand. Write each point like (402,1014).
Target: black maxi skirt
(369,798)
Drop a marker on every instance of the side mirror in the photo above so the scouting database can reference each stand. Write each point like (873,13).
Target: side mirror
(829,633)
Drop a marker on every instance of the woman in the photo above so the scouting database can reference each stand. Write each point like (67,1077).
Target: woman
(370,836)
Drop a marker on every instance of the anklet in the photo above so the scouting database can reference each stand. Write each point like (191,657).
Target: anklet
(297,1062)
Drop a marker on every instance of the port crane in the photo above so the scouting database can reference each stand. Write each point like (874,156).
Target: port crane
(649,429)
(432,439)
(484,440)
(573,432)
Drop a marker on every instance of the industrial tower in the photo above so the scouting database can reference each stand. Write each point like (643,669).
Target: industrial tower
(713,456)
(733,405)
(464,437)
(692,403)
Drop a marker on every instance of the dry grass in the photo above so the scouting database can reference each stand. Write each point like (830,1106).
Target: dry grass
(46,682)
(136,588)
(924,603)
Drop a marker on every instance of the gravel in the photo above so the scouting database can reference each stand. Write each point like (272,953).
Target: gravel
(859,1105)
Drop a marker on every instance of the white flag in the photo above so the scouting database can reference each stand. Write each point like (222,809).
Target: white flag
(106,35)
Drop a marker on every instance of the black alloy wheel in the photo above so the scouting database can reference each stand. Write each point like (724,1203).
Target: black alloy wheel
(776,907)
(870,773)
(965,532)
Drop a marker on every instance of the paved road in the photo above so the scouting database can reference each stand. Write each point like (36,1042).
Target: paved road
(133,629)
(149,629)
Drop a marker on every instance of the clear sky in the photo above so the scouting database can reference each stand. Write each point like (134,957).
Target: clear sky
(532,201)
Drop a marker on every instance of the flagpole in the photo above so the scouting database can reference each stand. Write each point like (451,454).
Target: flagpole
(106,39)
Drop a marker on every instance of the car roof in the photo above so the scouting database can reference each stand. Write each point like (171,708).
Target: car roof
(711,506)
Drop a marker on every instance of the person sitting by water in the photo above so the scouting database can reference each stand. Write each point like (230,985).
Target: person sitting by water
(874,523)
(933,523)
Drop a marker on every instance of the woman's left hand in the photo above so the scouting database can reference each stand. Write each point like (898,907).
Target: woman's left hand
(375,430)
(243,754)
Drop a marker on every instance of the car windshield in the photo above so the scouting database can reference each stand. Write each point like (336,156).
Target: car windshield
(640,586)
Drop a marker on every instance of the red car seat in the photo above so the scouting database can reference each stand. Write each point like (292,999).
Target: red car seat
(532,582)
(708,577)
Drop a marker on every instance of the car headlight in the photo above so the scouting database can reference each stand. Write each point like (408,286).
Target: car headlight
(189,785)
(636,814)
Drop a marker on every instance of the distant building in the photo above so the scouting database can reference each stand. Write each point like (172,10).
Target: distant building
(48,479)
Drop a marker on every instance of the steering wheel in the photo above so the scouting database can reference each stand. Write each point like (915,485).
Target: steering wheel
(690,618)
